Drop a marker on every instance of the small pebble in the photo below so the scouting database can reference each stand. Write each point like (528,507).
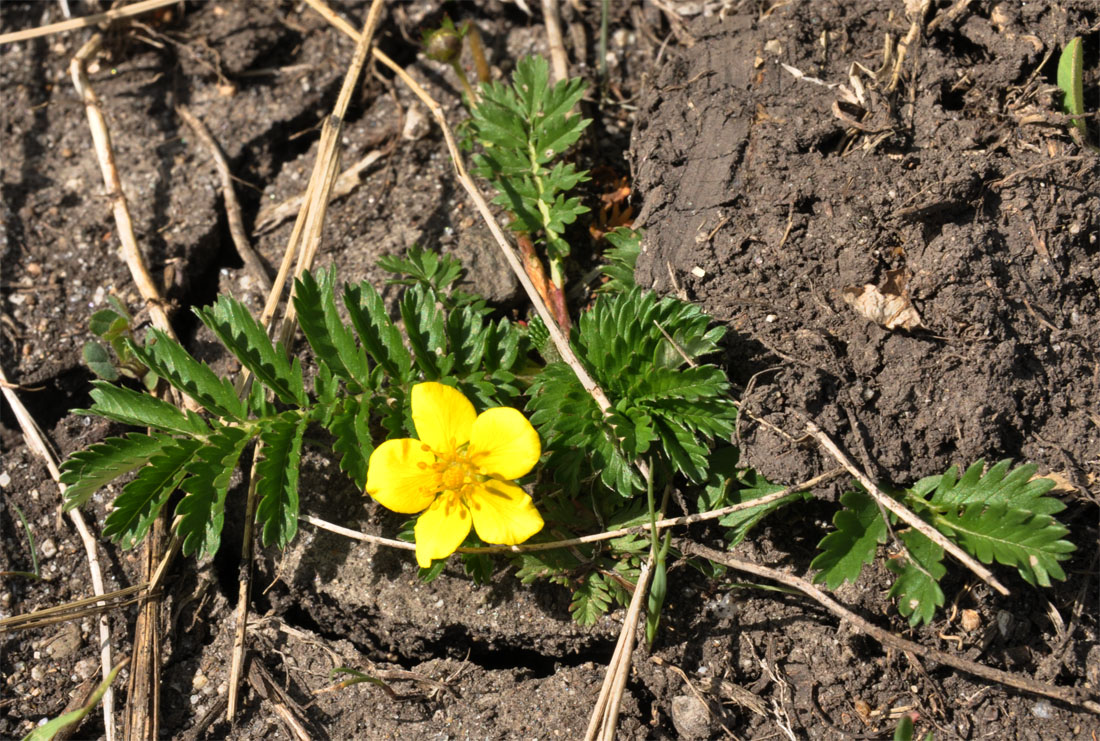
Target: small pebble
(691,718)
(5,479)
(86,668)
(1042,709)
(48,548)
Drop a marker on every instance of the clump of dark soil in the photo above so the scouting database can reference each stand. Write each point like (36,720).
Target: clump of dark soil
(759,203)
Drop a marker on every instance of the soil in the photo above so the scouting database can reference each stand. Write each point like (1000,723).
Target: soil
(759,203)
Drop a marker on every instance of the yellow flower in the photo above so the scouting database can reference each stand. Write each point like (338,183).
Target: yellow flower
(459,471)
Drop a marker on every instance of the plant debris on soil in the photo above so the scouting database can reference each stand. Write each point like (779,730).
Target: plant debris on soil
(904,244)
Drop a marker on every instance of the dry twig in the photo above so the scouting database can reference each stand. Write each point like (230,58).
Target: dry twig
(1070,695)
(594,538)
(89,20)
(131,253)
(559,62)
(232,207)
(903,513)
(348,180)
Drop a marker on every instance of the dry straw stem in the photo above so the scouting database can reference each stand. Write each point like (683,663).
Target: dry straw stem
(310,224)
(584,539)
(559,62)
(131,253)
(36,441)
(605,714)
(1070,695)
(904,514)
(142,710)
(229,194)
(75,610)
(269,218)
(88,20)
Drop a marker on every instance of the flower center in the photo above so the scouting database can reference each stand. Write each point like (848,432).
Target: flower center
(455,474)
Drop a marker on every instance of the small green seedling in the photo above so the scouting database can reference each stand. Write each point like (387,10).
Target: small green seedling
(1000,514)
(523,129)
(69,721)
(905,730)
(1071,81)
(110,361)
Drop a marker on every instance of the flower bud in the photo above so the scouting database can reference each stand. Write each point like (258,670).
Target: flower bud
(443,45)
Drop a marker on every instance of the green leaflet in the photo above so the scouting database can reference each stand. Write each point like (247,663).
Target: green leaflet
(245,337)
(1018,489)
(626,245)
(141,410)
(747,486)
(424,326)
(591,599)
(859,531)
(141,499)
(1014,537)
(277,478)
(919,571)
(437,271)
(167,358)
(89,469)
(377,332)
(331,340)
(202,509)
(350,425)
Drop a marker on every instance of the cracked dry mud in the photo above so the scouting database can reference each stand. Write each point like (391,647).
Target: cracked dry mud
(741,173)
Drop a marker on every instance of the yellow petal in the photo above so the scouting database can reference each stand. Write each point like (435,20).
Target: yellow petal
(503,513)
(442,415)
(503,443)
(441,529)
(400,476)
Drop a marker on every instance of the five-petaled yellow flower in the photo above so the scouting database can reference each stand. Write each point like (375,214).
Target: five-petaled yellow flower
(460,470)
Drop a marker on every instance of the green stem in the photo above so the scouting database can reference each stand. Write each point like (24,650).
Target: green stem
(465,82)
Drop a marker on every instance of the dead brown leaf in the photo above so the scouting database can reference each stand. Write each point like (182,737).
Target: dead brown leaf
(888,306)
